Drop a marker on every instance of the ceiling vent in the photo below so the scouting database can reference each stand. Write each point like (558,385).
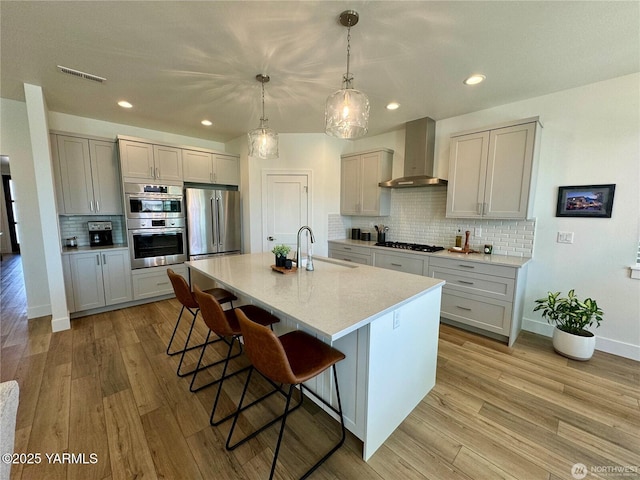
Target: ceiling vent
(79,74)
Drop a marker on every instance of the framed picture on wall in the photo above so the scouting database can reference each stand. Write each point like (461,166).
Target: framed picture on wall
(585,201)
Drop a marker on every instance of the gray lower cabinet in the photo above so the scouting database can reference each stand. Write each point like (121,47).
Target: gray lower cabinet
(401,262)
(348,253)
(154,282)
(487,297)
(98,278)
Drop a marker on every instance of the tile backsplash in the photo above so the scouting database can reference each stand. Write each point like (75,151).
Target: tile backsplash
(76,226)
(418,216)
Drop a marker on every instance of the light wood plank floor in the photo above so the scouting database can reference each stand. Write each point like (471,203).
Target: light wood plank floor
(106,387)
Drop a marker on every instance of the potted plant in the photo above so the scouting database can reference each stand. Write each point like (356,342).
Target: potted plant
(571,317)
(281,251)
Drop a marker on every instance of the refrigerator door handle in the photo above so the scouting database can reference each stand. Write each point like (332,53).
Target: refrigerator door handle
(220,236)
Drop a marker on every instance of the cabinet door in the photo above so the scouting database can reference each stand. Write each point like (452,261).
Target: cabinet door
(75,175)
(106,178)
(372,196)
(509,171)
(137,160)
(168,163)
(197,166)
(350,186)
(116,274)
(226,169)
(86,275)
(467,175)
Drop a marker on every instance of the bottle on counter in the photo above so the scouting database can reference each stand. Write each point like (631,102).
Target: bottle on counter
(459,239)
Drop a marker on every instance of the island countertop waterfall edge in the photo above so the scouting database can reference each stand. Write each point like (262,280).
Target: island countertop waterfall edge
(385,322)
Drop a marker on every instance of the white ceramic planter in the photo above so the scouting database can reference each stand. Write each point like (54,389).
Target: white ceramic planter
(575,347)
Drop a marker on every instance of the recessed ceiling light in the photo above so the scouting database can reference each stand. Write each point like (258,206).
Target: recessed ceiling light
(393,106)
(474,79)
(206,123)
(125,104)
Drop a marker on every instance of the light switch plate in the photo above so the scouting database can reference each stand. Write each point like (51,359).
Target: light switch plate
(565,237)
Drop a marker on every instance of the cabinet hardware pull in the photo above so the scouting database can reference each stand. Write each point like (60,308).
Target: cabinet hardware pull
(465,282)
(151,172)
(347,248)
(463,308)
(104,259)
(396,264)
(466,266)
(98,259)
(347,259)
(162,283)
(485,207)
(157,173)
(97,206)
(91,205)
(479,208)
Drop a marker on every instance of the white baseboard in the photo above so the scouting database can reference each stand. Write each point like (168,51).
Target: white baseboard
(38,311)
(615,347)
(60,324)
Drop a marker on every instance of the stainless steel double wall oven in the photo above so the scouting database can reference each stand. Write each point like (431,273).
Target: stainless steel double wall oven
(155,224)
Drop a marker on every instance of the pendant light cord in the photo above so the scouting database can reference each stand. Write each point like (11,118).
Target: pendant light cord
(347,77)
(262,119)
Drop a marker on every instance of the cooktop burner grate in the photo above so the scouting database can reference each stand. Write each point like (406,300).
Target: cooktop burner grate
(410,246)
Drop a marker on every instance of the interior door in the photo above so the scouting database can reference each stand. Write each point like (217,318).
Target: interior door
(285,209)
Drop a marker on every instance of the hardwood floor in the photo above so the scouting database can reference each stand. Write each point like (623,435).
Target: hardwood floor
(106,387)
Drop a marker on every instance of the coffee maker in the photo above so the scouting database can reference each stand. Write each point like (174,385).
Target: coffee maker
(100,234)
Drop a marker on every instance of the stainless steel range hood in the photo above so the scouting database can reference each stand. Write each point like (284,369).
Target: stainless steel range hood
(418,156)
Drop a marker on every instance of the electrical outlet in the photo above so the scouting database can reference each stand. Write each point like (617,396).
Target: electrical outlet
(396,319)
(565,237)
(477,232)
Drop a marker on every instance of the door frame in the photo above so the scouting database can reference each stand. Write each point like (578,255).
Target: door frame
(266,172)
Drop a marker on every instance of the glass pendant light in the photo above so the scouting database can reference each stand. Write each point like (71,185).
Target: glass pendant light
(347,111)
(263,141)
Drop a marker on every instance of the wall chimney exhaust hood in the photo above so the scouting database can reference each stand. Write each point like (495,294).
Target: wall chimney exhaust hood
(419,143)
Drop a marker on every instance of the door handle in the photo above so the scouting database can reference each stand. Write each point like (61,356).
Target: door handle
(98,259)
(270,238)
(104,259)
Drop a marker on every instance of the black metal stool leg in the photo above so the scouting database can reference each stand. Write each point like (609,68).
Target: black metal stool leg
(187,348)
(225,360)
(284,421)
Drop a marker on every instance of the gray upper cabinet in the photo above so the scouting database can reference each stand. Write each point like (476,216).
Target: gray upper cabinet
(87,176)
(144,161)
(206,167)
(359,178)
(491,172)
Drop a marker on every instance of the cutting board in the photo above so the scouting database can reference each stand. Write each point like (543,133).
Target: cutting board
(284,270)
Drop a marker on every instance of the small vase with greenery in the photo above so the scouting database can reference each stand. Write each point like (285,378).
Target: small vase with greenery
(281,251)
(571,316)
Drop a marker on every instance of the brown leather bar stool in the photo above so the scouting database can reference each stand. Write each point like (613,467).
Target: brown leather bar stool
(185,297)
(292,359)
(224,323)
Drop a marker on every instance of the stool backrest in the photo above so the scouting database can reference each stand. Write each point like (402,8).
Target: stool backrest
(212,313)
(265,351)
(182,290)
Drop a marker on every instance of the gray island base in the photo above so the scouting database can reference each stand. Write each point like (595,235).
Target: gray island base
(385,322)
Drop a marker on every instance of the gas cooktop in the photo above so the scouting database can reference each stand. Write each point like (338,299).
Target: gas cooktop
(410,246)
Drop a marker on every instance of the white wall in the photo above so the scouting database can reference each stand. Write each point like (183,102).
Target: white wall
(591,135)
(15,142)
(89,126)
(315,152)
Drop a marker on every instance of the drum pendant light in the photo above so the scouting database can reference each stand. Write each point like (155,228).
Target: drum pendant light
(347,110)
(263,141)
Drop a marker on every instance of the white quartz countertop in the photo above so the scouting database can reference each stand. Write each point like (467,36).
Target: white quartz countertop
(333,300)
(505,260)
(87,248)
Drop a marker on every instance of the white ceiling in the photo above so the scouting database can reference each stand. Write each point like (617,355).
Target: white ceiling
(180,62)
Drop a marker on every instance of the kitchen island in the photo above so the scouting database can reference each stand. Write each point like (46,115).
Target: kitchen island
(385,322)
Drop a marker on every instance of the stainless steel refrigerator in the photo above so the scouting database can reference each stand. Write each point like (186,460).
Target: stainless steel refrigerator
(213,222)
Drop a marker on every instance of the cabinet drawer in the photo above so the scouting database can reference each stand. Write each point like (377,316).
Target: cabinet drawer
(350,257)
(154,282)
(341,247)
(480,312)
(475,267)
(465,282)
(400,263)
